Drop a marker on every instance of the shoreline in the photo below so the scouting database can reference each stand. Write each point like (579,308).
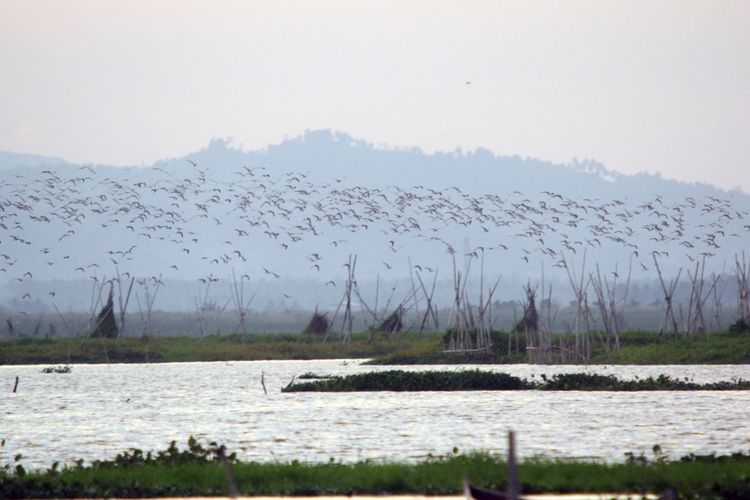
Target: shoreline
(541,496)
(211,471)
(638,348)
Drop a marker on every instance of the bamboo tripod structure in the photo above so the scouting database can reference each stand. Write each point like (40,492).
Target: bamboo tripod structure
(743,273)
(669,317)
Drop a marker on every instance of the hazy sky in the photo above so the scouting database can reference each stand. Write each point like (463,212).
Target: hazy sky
(640,86)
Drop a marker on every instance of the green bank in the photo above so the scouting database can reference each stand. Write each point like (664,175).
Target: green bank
(406,348)
(636,348)
(251,347)
(197,470)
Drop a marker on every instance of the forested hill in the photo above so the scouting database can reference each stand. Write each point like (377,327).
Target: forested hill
(297,210)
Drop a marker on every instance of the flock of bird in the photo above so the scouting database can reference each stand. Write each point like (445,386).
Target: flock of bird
(63,218)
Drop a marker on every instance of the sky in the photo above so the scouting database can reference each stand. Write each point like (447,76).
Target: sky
(640,86)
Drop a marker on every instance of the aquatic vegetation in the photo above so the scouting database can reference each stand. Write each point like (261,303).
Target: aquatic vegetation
(313,376)
(199,470)
(476,380)
(57,369)
(594,382)
(398,380)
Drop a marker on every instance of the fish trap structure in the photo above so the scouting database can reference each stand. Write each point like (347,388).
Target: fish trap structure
(318,325)
(393,323)
(106,325)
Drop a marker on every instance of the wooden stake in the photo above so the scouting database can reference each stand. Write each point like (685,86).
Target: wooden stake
(231,483)
(512,489)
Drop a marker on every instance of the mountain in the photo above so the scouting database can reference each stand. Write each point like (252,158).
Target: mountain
(331,154)
(299,209)
(10,160)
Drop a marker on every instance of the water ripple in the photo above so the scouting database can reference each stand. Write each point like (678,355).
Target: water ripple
(97,411)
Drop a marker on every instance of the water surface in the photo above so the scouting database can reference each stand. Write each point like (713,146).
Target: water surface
(97,411)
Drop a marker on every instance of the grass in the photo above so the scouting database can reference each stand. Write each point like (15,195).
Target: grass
(643,348)
(637,348)
(476,380)
(197,472)
(212,348)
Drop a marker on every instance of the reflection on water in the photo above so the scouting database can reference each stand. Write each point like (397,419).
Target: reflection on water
(100,410)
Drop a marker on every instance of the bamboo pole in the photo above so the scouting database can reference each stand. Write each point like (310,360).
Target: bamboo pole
(743,285)
(669,317)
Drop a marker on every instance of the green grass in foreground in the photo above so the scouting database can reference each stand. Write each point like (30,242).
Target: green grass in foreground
(477,380)
(196,471)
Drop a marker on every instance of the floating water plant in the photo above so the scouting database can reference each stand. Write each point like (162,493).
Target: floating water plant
(57,369)
(476,380)
(397,380)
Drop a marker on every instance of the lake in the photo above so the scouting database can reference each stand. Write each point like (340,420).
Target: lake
(97,411)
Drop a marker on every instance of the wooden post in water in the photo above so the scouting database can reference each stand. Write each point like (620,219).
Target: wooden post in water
(512,487)
(15,386)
